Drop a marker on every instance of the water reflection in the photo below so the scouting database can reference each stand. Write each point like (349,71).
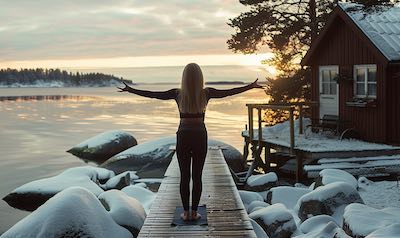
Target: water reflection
(46,98)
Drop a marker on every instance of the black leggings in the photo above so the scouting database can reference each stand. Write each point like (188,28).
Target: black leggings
(191,145)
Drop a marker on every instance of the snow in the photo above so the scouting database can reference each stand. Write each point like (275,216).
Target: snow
(363,220)
(261,179)
(381,27)
(125,210)
(321,231)
(248,197)
(147,147)
(260,233)
(324,192)
(379,194)
(391,231)
(274,213)
(256,204)
(143,195)
(316,223)
(335,175)
(313,142)
(112,182)
(103,138)
(74,210)
(86,177)
(287,195)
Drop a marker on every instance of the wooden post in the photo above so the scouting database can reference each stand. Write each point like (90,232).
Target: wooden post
(301,119)
(291,131)
(250,112)
(259,127)
(299,169)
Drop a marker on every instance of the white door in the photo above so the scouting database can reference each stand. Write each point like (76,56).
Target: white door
(328,91)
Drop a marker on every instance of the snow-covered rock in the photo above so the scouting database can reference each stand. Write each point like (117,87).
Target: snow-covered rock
(328,176)
(120,181)
(260,233)
(360,220)
(151,159)
(249,197)
(256,205)
(125,210)
(33,194)
(315,223)
(276,220)
(328,199)
(103,146)
(325,230)
(286,195)
(74,212)
(392,231)
(143,195)
(261,182)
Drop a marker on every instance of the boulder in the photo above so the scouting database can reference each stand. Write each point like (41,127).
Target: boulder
(260,233)
(249,197)
(125,210)
(33,194)
(256,205)
(103,146)
(391,231)
(276,220)
(328,176)
(261,182)
(325,230)
(74,212)
(120,181)
(328,199)
(360,220)
(286,195)
(143,195)
(152,158)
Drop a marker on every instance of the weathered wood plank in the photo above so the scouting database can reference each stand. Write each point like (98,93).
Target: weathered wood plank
(226,214)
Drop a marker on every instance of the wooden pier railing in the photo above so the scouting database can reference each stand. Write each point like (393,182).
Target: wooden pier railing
(226,214)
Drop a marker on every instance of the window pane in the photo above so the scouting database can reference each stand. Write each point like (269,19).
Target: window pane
(333,88)
(360,75)
(325,88)
(372,89)
(325,76)
(334,76)
(360,88)
(371,74)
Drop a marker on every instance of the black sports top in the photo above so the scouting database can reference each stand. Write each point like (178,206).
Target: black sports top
(173,94)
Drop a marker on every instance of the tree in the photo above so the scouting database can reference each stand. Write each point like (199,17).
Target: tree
(287,28)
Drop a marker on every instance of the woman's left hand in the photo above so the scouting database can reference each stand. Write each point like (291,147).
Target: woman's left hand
(255,84)
(125,89)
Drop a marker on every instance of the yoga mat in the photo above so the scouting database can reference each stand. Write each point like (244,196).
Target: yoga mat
(177,221)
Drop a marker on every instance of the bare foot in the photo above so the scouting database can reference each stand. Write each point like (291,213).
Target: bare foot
(185,216)
(195,216)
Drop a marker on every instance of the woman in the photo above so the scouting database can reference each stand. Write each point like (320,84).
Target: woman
(191,144)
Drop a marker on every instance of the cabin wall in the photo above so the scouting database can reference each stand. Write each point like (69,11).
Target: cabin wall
(343,47)
(393,99)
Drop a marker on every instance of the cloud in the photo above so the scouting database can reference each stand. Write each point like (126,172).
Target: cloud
(55,29)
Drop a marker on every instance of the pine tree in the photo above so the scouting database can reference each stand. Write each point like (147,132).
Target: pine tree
(287,28)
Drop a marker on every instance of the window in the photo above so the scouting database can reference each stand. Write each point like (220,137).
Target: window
(329,77)
(365,81)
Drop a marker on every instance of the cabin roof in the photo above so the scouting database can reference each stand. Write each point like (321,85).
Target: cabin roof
(381,28)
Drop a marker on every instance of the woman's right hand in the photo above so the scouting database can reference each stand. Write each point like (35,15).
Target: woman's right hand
(255,84)
(125,89)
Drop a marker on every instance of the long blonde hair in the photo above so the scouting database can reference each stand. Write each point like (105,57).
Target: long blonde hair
(192,97)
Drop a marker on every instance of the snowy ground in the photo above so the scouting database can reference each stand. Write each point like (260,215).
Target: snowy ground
(380,194)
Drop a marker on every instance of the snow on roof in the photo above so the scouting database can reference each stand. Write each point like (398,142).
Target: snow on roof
(382,27)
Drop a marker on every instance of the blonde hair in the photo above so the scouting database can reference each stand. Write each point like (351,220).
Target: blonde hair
(192,97)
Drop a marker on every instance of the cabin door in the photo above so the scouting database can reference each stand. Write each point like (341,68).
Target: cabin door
(328,91)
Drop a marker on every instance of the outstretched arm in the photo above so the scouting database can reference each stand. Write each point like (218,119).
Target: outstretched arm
(163,95)
(220,93)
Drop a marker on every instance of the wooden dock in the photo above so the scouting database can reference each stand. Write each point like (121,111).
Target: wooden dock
(226,214)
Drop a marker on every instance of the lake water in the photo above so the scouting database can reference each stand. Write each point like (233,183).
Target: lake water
(36,132)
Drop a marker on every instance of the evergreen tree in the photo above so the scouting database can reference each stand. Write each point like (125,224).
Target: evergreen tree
(287,28)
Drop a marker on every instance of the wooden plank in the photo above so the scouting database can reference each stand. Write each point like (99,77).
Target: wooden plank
(226,214)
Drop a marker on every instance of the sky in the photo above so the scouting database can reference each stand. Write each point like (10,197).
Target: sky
(118,33)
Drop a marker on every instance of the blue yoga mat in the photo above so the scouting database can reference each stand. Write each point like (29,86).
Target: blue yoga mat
(177,221)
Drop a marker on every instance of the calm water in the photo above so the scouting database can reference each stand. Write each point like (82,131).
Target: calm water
(34,134)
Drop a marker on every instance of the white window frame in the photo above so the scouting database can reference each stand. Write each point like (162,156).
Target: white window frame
(365,67)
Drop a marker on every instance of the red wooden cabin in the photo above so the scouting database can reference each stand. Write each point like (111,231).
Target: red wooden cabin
(355,66)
